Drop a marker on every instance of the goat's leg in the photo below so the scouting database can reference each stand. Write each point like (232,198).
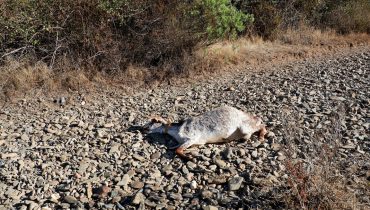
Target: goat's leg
(262,134)
(180,151)
(175,147)
(247,137)
(245,132)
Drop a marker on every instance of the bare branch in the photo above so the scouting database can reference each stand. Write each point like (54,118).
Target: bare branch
(57,46)
(96,54)
(15,51)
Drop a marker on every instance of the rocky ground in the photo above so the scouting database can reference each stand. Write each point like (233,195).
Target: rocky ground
(88,154)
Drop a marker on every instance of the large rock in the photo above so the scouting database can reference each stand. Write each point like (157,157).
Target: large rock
(235,183)
(138,198)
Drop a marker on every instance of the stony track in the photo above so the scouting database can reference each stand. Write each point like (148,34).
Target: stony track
(88,154)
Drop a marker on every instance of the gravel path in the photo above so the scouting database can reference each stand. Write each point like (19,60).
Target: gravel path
(89,154)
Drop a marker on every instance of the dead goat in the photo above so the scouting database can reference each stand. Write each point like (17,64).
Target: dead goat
(220,125)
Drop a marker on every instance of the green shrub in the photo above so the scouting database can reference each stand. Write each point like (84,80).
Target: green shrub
(219,18)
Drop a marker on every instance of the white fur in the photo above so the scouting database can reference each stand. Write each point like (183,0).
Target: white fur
(219,125)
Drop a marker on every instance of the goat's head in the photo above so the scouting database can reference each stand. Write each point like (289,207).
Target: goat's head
(155,125)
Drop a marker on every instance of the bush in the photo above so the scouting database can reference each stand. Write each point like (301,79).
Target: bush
(150,31)
(111,34)
(345,16)
(220,19)
(53,29)
(267,17)
(272,17)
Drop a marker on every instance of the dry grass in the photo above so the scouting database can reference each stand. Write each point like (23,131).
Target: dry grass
(317,182)
(290,45)
(319,187)
(19,78)
(312,37)
(133,77)
(242,51)
(225,56)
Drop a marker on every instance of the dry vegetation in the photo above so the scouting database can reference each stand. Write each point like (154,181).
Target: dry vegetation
(21,76)
(58,45)
(291,44)
(317,182)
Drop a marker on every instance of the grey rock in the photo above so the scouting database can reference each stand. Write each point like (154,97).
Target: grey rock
(194,202)
(77,148)
(138,198)
(191,165)
(207,152)
(212,167)
(255,154)
(210,208)
(275,147)
(137,184)
(108,125)
(70,199)
(138,157)
(32,205)
(228,153)
(270,134)
(218,179)
(220,163)
(176,196)
(281,156)
(115,149)
(155,155)
(108,206)
(193,185)
(248,161)
(206,194)
(25,137)
(235,183)
(256,144)
(185,170)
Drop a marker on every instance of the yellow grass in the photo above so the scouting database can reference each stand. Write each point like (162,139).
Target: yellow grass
(289,45)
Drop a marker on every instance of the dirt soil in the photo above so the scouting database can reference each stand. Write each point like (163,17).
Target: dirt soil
(85,152)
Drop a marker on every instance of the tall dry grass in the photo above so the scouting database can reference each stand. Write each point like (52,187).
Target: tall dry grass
(316,181)
(21,76)
(289,45)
